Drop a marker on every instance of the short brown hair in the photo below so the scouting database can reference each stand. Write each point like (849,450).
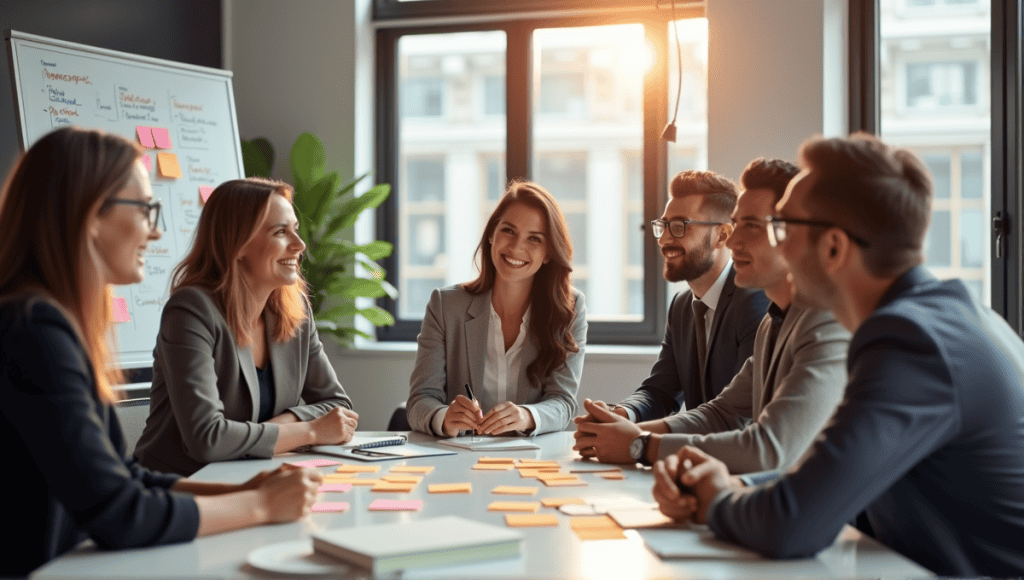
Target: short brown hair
(877,192)
(719,192)
(773,174)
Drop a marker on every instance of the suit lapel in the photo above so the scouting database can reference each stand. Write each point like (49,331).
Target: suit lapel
(281,365)
(775,357)
(477,322)
(248,366)
(716,323)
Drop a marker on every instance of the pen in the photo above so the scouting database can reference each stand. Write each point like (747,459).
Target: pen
(469,392)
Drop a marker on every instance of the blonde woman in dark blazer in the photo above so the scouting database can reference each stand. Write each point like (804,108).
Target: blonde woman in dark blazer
(516,334)
(239,370)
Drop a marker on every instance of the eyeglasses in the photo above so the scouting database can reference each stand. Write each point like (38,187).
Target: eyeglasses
(152,209)
(676,227)
(777,229)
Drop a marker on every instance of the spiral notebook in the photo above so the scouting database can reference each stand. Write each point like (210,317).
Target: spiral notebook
(378,447)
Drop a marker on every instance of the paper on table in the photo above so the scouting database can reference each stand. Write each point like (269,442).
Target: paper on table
(412,505)
(121,310)
(564,482)
(145,137)
(696,542)
(492,467)
(393,487)
(613,475)
(642,519)
(530,520)
(601,534)
(592,522)
(349,468)
(450,488)
(335,487)
(168,164)
(560,501)
(514,490)
(412,469)
(162,138)
(513,506)
(486,443)
(366,481)
(495,460)
(330,506)
(314,463)
(596,528)
(403,478)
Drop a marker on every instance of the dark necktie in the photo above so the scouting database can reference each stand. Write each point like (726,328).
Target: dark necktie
(699,311)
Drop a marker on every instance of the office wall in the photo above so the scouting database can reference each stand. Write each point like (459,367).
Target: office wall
(180,30)
(775,80)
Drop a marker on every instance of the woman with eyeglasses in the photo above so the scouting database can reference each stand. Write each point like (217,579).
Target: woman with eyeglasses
(77,215)
(503,354)
(239,370)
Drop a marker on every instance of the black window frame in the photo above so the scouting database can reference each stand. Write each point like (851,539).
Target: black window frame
(1006,117)
(395,19)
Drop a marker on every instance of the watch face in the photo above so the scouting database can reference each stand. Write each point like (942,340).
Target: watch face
(636,448)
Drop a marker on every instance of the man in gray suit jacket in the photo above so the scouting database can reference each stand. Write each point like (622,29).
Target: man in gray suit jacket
(691,235)
(929,438)
(789,387)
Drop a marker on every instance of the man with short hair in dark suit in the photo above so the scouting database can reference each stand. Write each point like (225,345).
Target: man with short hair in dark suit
(929,438)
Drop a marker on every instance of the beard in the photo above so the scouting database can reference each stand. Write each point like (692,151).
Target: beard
(694,264)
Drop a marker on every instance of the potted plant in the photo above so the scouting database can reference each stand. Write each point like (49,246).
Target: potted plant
(325,207)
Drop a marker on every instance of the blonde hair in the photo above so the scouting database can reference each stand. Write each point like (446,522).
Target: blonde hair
(45,206)
(233,213)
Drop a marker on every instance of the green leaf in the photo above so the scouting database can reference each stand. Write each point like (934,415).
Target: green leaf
(308,160)
(376,250)
(359,287)
(312,201)
(391,291)
(377,316)
(257,157)
(338,312)
(350,210)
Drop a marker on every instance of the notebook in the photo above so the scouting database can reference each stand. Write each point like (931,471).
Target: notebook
(430,542)
(696,542)
(488,443)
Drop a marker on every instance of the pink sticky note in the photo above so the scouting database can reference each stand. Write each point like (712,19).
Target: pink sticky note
(330,506)
(121,310)
(145,137)
(204,192)
(315,463)
(162,138)
(147,162)
(412,505)
(326,487)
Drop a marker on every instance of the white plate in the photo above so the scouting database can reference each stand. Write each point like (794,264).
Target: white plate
(295,557)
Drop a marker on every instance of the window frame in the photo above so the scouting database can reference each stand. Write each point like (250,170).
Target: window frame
(394,20)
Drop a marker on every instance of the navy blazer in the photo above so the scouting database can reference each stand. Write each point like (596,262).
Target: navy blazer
(675,377)
(67,477)
(929,441)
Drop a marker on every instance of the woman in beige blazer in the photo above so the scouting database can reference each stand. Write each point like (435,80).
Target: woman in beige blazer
(514,336)
(239,370)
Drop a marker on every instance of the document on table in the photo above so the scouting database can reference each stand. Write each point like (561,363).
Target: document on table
(694,542)
(488,443)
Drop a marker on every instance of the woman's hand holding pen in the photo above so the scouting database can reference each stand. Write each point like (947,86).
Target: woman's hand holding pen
(335,427)
(462,414)
(506,417)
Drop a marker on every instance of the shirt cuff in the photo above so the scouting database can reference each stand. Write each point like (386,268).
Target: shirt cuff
(536,420)
(752,479)
(630,413)
(437,421)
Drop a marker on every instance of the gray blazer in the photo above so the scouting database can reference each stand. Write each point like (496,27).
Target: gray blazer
(790,394)
(205,395)
(452,351)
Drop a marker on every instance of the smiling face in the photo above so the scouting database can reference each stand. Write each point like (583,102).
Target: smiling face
(519,244)
(270,259)
(758,264)
(693,255)
(120,233)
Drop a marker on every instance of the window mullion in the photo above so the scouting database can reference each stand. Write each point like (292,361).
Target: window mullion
(518,66)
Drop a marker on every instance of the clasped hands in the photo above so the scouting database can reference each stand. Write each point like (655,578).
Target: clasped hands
(465,414)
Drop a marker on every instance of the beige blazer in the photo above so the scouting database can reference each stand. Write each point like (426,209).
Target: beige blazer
(790,394)
(205,396)
(452,351)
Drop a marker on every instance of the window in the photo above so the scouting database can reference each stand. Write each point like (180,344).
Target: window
(935,85)
(556,100)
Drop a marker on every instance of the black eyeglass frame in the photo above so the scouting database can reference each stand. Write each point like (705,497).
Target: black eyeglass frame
(151,217)
(773,224)
(660,224)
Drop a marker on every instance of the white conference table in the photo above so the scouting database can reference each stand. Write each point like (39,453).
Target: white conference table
(552,552)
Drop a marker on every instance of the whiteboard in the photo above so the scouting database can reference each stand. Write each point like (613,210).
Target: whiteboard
(60,83)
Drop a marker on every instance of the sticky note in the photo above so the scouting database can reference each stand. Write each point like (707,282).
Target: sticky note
(145,137)
(640,518)
(389,487)
(168,164)
(204,193)
(121,310)
(495,460)
(412,469)
(338,477)
(330,506)
(601,534)
(450,488)
(614,475)
(592,522)
(369,482)
(493,466)
(348,468)
(529,520)
(412,505)
(536,463)
(314,462)
(334,487)
(162,138)
(513,506)
(552,476)
(560,501)
(565,482)
(147,162)
(402,479)
(514,490)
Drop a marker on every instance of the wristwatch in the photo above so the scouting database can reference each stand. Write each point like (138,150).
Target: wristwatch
(638,448)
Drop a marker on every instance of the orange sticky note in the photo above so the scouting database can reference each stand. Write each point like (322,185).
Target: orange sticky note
(529,520)
(121,310)
(450,488)
(565,483)
(513,506)
(601,534)
(168,164)
(592,522)
(412,469)
(338,477)
(495,460)
(493,466)
(349,468)
(162,138)
(393,487)
(513,490)
(614,475)
(395,505)
(145,137)
(205,191)
(536,463)
(560,501)
(147,162)
(366,481)
(545,477)
(413,479)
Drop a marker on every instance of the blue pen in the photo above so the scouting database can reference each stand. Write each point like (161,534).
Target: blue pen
(469,392)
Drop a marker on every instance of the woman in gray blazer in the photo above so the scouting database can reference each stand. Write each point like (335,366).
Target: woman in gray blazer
(239,370)
(514,337)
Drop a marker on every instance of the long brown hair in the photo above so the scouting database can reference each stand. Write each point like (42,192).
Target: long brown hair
(551,299)
(233,213)
(45,207)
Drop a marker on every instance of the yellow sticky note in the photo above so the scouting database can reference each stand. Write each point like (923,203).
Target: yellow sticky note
(396,487)
(168,164)
(367,481)
(614,475)
(592,522)
(495,460)
(560,501)
(536,463)
(601,534)
(402,479)
(450,488)
(493,466)
(513,506)
(529,520)
(545,477)
(338,477)
(514,490)
(565,483)
(358,468)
